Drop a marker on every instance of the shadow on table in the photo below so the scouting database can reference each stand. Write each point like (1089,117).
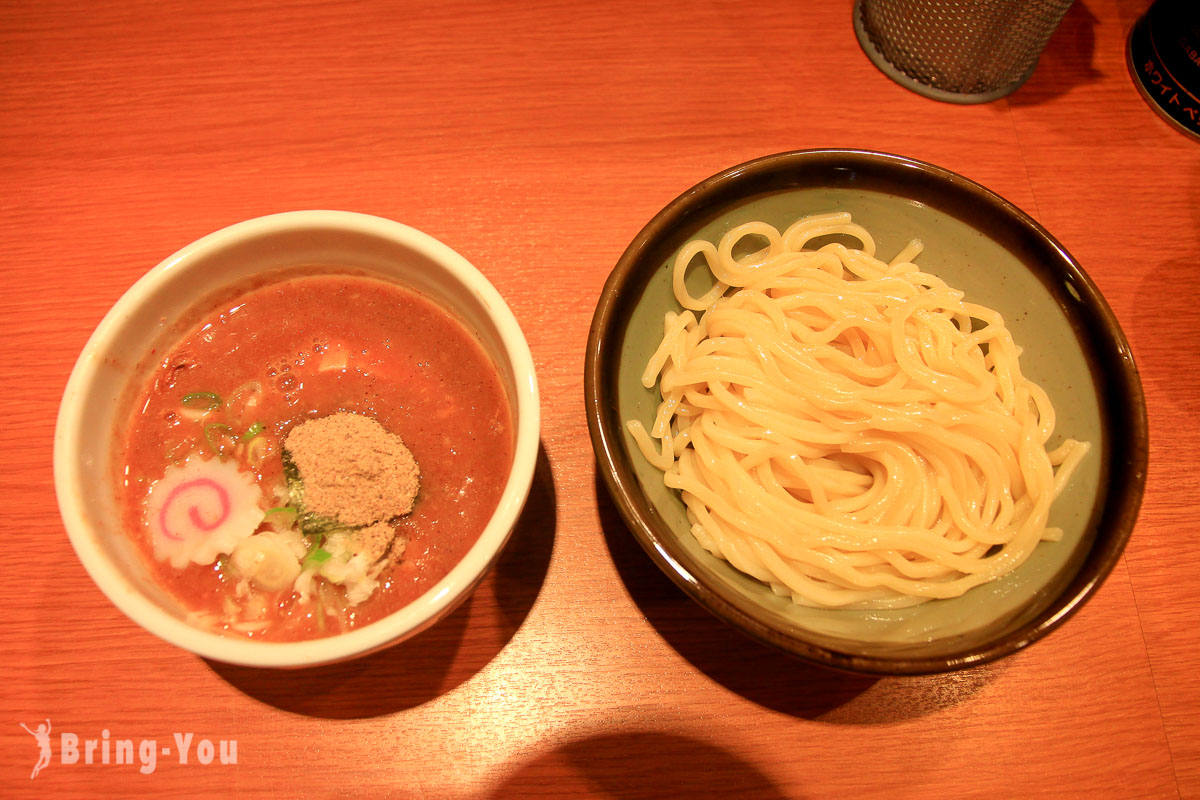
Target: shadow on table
(640,765)
(437,660)
(1065,62)
(1168,373)
(768,677)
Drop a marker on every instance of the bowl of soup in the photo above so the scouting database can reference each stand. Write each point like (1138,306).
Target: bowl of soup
(866,411)
(298,440)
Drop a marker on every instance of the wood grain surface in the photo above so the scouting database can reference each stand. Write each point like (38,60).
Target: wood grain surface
(536,138)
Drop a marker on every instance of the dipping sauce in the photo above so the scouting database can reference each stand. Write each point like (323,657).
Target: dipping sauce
(215,502)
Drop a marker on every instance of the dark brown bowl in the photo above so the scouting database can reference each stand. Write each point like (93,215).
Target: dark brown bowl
(977,242)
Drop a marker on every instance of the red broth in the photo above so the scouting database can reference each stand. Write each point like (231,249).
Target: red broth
(318,344)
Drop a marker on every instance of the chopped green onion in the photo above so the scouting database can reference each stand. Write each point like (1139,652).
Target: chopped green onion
(252,431)
(211,437)
(319,555)
(281,510)
(210,401)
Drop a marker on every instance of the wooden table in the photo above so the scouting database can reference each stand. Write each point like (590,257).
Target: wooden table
(537,138)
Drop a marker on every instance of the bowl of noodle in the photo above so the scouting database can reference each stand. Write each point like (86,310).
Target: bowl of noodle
(867,411)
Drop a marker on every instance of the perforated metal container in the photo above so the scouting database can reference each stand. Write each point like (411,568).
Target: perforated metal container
(959,51)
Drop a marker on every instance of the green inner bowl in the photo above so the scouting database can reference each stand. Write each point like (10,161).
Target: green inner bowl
(1000,258)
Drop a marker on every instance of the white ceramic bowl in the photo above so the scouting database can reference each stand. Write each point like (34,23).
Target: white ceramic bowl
(143,318)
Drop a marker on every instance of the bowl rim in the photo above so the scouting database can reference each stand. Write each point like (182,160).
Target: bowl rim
(407,621)
(758,177)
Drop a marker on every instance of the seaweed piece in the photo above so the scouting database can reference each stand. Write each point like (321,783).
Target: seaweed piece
(316,525)
(310,524)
